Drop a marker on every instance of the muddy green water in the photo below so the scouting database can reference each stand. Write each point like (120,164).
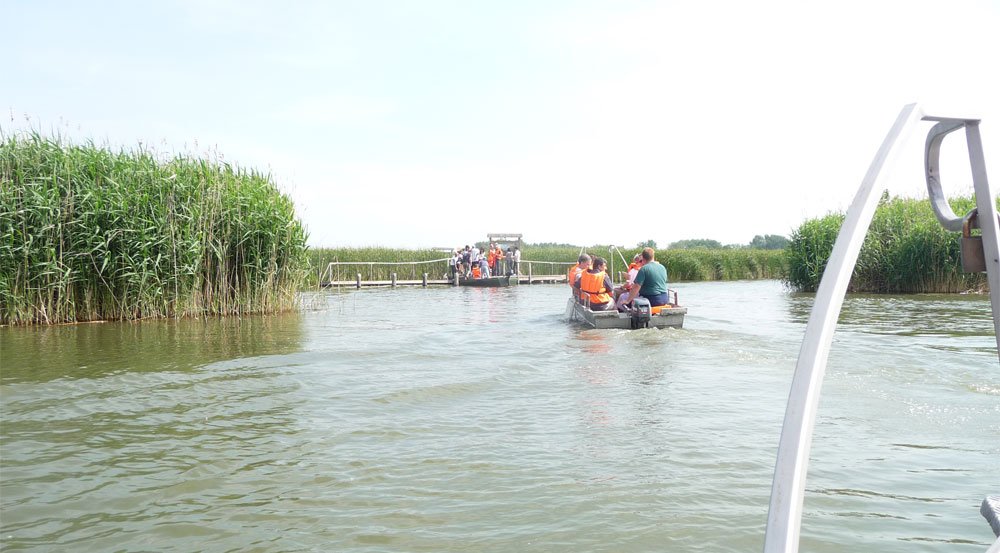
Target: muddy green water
(478,420)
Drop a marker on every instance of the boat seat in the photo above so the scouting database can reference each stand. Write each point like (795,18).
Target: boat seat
(656,310)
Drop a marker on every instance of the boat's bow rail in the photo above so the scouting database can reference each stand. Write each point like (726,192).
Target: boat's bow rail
(785,513)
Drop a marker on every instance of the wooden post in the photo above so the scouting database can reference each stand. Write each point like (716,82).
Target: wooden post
(358,280)
(425,280)
(529,273)
(456,278)
(393,280)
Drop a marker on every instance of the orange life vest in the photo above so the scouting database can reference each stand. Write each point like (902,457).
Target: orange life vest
(592,286)
(476,273)
(491,258)
(574,272)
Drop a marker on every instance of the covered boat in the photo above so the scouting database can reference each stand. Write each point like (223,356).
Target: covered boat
(640,316)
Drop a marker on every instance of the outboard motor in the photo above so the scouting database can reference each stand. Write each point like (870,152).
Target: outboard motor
(640,313)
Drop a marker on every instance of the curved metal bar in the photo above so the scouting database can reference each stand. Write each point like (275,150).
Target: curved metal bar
(986,204)
(932,169)
(784,517)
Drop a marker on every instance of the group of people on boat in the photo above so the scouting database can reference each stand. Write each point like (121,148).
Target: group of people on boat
(471,262)
(593,286)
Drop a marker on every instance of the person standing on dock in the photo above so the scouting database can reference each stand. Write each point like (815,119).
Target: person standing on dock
(516,265)
(453,263)
(474,256)
(498,261)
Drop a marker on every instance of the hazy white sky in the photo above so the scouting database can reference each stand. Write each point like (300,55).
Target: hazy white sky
(432,123)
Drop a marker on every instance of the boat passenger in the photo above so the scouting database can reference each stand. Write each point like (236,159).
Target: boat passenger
(624,293)
(476,273)
(491,258)
(582,264)
(484,267)
(651,280)
(515,266)
(595,286)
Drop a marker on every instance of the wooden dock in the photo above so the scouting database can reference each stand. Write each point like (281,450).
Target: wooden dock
(418,273)
(425,282)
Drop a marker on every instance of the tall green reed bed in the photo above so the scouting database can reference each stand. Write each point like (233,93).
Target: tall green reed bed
(724,264)
(90,234)
(685,264)
(906,251)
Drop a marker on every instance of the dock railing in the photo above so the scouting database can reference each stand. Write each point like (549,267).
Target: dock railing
(345,273)
(538,272)
(430,272)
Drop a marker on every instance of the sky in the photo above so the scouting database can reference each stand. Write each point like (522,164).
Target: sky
(432,123)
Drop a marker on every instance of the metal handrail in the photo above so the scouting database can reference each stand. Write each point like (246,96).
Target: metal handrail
(787,490)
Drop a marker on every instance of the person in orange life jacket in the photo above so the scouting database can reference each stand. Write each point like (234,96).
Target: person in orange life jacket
(498,261)
(582,264)
(624,292)
(491,257)
(476,273)
(595,284)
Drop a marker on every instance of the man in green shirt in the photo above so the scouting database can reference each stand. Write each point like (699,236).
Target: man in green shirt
(651,280)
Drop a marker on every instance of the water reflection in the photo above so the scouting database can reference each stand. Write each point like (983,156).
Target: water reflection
(95,349)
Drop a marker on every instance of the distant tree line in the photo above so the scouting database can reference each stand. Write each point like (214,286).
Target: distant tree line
(759,242)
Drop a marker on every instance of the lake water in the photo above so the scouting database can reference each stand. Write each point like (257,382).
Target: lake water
(458,419)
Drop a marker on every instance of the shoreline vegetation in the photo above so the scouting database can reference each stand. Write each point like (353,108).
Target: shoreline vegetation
(905,251)
(89,234)
(682,264)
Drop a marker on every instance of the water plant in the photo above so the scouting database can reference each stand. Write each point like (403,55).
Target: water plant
(91,234)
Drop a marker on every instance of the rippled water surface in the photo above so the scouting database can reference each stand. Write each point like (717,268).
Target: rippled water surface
(478,420)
